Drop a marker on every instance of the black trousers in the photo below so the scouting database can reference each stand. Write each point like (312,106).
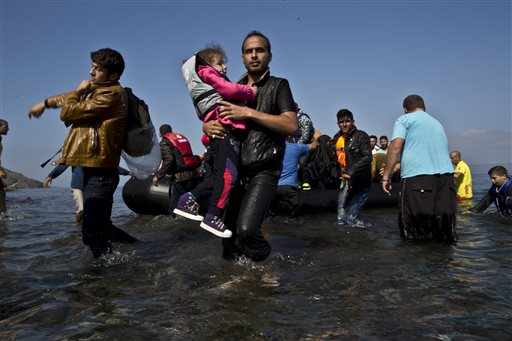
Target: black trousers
(286,201)
(246,211)
(427,208)
(219,185)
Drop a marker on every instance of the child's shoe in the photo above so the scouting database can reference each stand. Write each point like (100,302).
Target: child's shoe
(188,207)
(215,225)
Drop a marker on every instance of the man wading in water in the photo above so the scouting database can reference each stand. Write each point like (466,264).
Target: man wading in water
(97,114)
(269,120)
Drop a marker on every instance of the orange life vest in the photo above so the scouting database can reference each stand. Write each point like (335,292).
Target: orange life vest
(340,152)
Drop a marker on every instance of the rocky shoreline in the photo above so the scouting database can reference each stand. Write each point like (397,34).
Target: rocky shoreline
(16,181)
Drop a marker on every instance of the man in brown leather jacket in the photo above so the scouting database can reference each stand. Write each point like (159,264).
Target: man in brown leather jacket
(96,112)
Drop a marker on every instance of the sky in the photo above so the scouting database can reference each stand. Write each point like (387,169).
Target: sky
(366,56)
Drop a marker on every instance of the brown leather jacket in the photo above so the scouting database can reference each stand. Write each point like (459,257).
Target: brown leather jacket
(97,122)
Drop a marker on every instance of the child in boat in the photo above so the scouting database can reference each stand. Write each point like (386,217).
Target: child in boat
(500,192)
(205,76)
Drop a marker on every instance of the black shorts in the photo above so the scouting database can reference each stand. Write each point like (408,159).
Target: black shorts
(427,209)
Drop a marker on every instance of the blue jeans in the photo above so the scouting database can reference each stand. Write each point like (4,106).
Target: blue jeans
(97,228)
(350,204)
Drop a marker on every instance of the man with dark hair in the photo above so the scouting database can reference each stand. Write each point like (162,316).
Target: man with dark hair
(383,143)
(4,128)
(270,119)
(373,144)
(500,192)
(354,168)
(164,129)
(427,190)
(96,112)
(255,33)
(378,157)
(182,181)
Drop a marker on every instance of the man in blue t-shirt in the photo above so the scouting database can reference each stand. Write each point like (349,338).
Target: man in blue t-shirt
(286,199)
(427,203)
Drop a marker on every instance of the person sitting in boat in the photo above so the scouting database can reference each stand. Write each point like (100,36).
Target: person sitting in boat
(383,143)
(500,192)
(286,199)
(373,144)
(304,135)
(378,162)
(306,131)
(175,151)
(319,169)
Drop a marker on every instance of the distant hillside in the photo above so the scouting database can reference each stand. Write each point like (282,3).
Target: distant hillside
(17,180)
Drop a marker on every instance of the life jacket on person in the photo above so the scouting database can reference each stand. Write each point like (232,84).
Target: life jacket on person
(340,153)
(185,159)
(501,196)
(203,95)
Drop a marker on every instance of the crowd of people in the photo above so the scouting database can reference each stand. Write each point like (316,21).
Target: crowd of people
(262,150)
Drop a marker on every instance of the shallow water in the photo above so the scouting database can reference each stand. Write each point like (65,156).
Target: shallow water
(322,281)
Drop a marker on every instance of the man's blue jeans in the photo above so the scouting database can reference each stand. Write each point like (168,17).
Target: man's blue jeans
(97,228)
(350,204)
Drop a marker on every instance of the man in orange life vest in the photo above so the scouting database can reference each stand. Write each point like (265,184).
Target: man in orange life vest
(179,162)
(354,163)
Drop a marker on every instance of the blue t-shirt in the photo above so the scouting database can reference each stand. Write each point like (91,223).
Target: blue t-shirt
(77,175)
(425,150)
(292,154)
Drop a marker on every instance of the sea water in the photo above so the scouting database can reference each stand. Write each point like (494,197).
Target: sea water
(322,280)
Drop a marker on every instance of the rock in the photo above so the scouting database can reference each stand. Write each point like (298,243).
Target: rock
(17,180)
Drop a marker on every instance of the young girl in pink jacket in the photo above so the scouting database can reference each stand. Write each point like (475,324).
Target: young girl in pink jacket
(210,65)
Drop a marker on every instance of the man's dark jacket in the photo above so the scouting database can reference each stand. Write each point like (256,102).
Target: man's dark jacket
(169,165)
(358,156)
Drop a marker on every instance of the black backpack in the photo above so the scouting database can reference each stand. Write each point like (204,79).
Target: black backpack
(320,167)
(139,129)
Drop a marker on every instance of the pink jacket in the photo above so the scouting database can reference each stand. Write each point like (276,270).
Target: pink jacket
(226,89)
